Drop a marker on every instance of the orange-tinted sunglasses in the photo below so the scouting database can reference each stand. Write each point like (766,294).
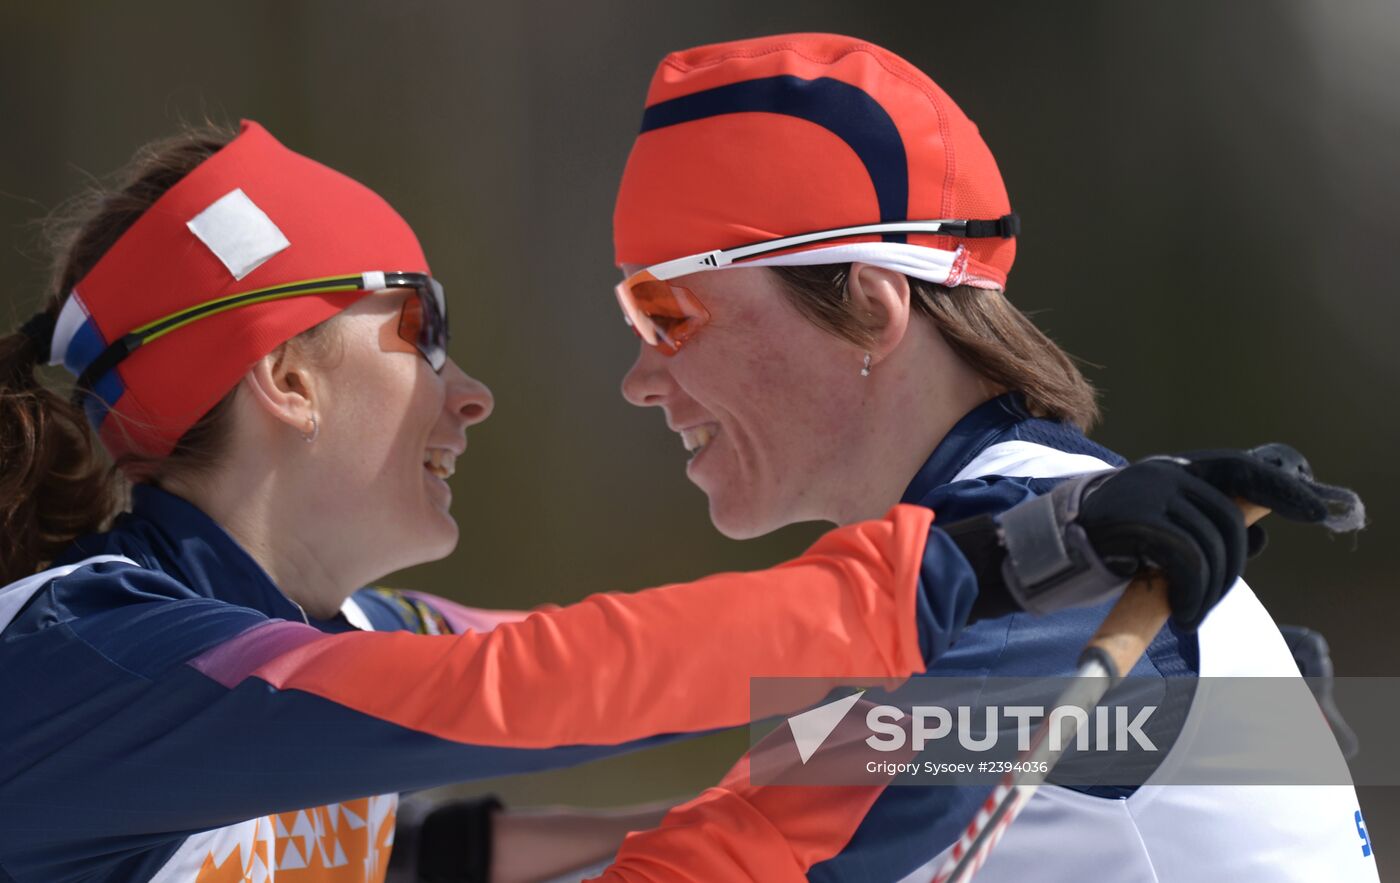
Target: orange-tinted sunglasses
(663,315)
(666,315)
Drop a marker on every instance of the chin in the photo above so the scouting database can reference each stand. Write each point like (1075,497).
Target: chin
(447,539)
(740,520)
(435,538)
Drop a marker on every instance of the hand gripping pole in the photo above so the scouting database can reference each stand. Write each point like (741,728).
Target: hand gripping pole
(1113,651)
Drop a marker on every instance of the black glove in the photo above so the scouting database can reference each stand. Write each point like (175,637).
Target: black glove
(443,842)
(1080,544)
(1157,514)
(1278,478)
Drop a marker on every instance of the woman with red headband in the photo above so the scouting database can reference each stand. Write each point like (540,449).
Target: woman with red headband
(202,690)
(816,241)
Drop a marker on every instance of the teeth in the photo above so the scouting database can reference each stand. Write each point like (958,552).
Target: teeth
(441,463)
(696,438)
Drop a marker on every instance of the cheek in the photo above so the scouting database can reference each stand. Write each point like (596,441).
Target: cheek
(381,405)
(383,409)
(773,385)
(795,365)
(797,413)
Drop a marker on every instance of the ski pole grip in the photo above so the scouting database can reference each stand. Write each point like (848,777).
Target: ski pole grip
(1140,614)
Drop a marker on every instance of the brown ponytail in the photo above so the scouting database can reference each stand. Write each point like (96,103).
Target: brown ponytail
(56,481)
(53,484)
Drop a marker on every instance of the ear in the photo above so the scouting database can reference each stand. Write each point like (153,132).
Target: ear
(880,297)
(280,384)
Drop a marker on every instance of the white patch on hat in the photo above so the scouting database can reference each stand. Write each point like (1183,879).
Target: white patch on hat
(240,234)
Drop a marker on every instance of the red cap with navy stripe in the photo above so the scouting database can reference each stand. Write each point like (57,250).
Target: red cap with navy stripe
(778,136)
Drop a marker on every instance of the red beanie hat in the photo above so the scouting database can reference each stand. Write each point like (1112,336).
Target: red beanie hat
(778,136)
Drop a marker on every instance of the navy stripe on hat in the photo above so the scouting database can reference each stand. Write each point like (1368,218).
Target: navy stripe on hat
(848,112)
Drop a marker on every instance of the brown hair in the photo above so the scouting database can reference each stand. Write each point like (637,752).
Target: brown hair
(980,325)
(56,480)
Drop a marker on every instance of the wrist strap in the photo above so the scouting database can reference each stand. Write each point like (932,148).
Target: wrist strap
(978,540)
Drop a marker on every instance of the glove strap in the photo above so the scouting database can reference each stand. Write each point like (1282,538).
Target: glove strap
(1050,564)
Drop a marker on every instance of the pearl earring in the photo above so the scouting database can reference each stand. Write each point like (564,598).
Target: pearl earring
(865,369)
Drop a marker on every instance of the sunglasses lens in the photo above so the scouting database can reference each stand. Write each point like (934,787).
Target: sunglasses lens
(423,323)
(662,314)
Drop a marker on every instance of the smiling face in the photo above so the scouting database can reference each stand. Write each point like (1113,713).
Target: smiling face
(390,432)
(768,404)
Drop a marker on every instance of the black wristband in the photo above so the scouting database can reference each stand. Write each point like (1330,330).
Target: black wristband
(979,540)
(454,843)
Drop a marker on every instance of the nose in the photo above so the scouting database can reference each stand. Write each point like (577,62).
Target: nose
(648,381)
(466,395)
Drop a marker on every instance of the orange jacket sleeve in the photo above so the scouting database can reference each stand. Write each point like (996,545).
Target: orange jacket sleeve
(772,833)
(618,667)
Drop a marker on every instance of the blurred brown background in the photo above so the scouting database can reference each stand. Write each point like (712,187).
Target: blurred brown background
(1208,190)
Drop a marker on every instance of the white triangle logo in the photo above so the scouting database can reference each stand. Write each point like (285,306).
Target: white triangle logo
(354,821)
(302,827)
(291,858)
(810,728)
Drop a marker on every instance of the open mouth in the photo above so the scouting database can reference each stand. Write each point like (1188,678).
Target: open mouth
(441,463)
(697,437)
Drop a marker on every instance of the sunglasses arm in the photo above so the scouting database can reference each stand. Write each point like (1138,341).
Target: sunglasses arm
(711,260)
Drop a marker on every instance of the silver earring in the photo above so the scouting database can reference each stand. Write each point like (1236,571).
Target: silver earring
(865,369)
(310,435)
